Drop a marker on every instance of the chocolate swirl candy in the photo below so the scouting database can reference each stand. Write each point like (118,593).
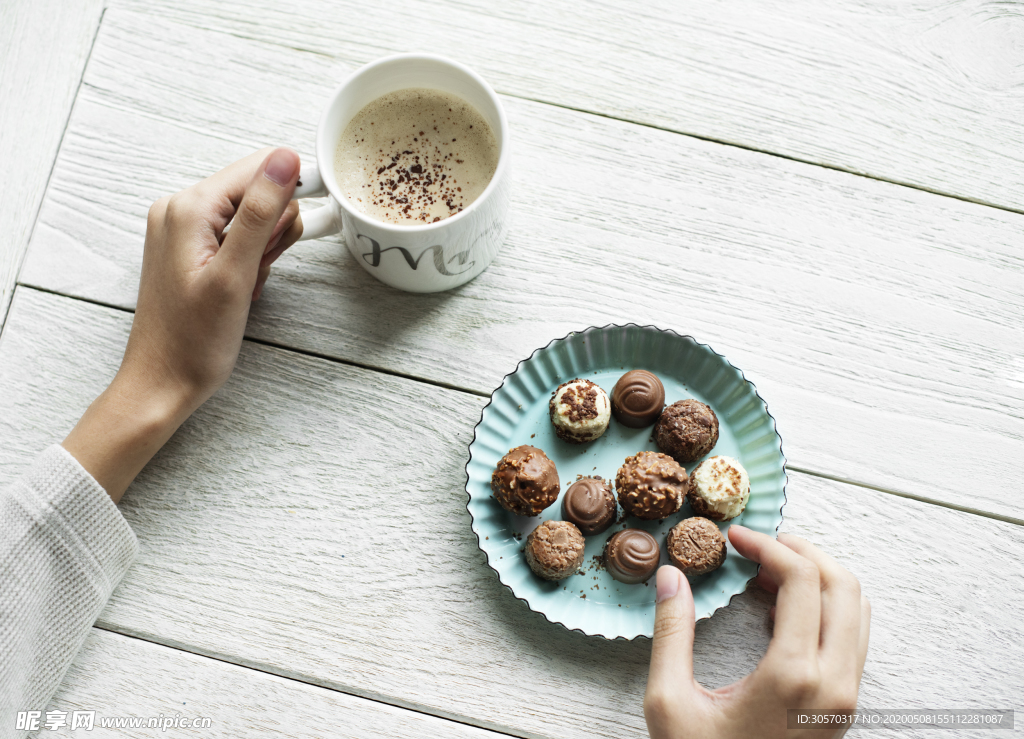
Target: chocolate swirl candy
(631,556)
(637,399)
(590,505)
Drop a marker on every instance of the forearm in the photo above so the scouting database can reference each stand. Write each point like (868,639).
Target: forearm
(124,427)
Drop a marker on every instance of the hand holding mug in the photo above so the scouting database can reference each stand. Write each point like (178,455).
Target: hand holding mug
(195,291)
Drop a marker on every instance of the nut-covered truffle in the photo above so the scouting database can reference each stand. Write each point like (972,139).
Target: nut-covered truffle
(525,481)
(719,488)
(631,556)
(651,485)
(696,546)
(637,399)
(580,411)
(554,550)
(687,430)
(590,504)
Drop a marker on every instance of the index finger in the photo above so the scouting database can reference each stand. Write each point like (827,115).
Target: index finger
(798,607)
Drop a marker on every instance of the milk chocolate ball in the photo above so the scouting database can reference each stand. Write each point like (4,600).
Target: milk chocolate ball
(651,485)
(525,481)
(696,546)
(687,430)
(554,550)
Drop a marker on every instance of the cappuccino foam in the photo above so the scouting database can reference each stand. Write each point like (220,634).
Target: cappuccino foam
(415,156)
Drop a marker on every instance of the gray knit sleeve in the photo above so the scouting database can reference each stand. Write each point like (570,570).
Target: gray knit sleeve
(64,546)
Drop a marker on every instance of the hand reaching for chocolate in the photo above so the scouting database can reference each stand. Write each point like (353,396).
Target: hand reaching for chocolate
(814,661)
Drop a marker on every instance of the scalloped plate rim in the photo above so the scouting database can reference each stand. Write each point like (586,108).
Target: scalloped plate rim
(504,381)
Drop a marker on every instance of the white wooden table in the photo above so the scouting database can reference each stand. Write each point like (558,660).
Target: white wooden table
(857,169)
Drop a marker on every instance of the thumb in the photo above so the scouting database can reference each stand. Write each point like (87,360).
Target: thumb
(672,649)
(263,203)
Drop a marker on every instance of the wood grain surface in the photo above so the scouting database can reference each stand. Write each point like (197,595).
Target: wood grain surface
(929,93)
(108,672)
(309,521)
(881,323)
(44,45)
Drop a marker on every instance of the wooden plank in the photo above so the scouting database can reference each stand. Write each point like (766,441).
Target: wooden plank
(928,93)
(881,323)
(44,45)
(107,674)
(309,521)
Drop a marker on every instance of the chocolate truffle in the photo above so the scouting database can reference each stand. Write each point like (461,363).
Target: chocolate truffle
(719,488)
(651,485)
(554,550)
(580,411)
(631,556)
(637,399)
(590,504)
(525,481)
(687,430)
(696,546)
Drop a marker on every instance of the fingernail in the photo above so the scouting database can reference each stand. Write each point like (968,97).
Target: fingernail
(668,582)
(282,166)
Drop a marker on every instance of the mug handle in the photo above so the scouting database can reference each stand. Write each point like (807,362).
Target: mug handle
(318,222)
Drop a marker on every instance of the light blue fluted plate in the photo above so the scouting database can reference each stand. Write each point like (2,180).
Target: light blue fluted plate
(518,414)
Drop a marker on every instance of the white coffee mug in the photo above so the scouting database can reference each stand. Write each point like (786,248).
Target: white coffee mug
(419,258)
